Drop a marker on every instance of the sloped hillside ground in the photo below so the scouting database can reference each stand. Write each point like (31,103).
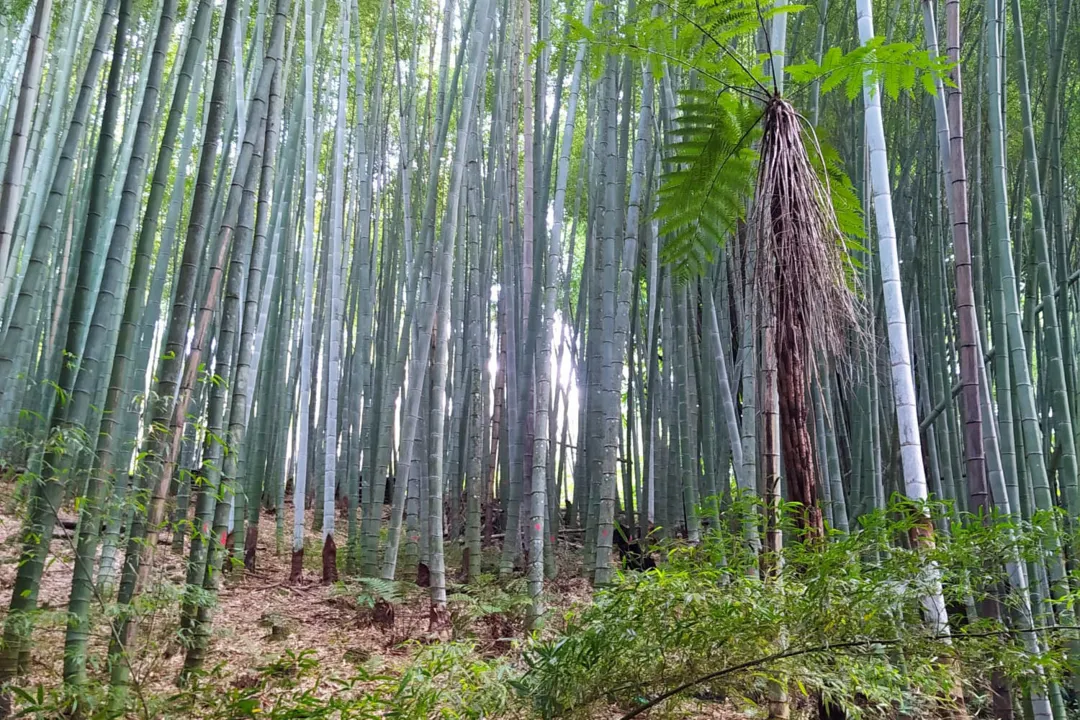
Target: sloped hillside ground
(262,622)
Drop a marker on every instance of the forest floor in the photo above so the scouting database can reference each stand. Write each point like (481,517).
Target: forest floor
(261,616)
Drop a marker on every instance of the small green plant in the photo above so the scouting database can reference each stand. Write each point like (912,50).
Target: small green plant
(445,681)
(451,681)
(47,704)
(290,687)
(499,608)
(367,592)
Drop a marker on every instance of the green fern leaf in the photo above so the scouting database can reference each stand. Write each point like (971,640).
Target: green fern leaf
(704,192)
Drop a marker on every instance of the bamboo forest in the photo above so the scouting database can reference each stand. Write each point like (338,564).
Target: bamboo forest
(537,359)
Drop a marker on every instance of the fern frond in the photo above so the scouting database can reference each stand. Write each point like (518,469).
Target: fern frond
(380,589)
(704,192)
(845,199)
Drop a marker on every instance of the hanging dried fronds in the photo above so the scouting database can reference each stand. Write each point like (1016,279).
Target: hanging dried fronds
(795,225)
(803,290)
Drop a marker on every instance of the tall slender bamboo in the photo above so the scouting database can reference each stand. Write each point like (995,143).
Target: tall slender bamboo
(914,475)
(45,499)
(111,289)
(11,193)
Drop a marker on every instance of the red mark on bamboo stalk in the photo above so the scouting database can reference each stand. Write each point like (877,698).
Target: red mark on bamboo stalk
(537,527)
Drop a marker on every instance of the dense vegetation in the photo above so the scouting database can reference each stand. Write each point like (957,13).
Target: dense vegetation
(691,299)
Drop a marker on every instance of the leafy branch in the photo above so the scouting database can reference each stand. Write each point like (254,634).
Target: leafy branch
(898,67)
(827,647)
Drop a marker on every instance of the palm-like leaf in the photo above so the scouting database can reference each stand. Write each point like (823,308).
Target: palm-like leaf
(710,176)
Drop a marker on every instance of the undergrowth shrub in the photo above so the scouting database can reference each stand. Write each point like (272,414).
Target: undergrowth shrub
(446,681)
(290,687)
(837,620)
(489,607)
(451,681)
(368,592)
